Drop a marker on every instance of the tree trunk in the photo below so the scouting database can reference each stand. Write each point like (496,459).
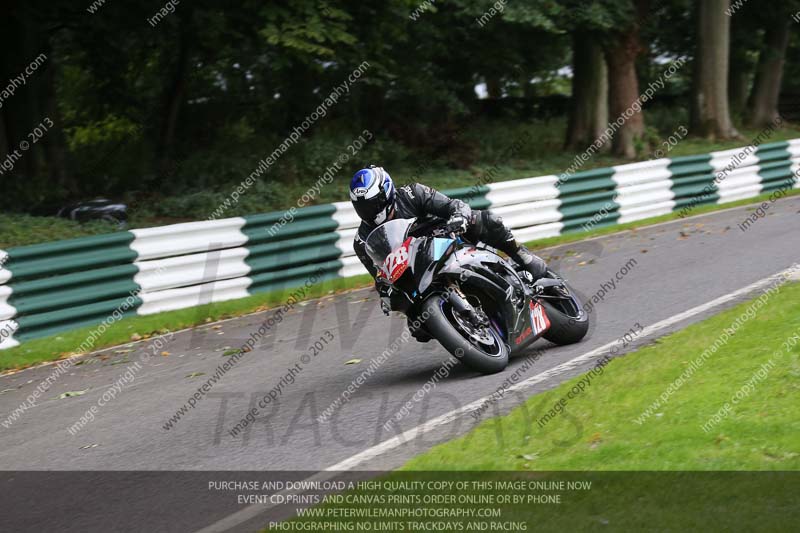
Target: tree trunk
(589,104)
(623,87)
(494,87)
(741,67)
(55,145)
(739,87)
(173,97)
(767,87)
(710,114)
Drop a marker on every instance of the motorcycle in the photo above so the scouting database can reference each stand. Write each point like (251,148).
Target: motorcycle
(477,305)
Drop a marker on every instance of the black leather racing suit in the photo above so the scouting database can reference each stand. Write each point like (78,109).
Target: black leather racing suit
(425,203)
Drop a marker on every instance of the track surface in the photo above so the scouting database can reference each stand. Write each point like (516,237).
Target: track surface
(678,265)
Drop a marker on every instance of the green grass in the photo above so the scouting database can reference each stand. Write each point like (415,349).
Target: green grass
(62,345)
(598,428)
(542,156)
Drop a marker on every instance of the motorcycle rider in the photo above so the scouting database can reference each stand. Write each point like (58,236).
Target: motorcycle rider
(376,200)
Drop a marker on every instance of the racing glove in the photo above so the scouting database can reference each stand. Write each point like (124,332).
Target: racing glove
(384,292)
(457,224)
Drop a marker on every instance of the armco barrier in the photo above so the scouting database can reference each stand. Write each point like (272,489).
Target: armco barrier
(52,287)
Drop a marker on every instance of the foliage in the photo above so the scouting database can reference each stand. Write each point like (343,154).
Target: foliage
(169,117)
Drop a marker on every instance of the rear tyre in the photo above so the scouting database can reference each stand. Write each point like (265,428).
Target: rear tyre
(486,357)
(569,323)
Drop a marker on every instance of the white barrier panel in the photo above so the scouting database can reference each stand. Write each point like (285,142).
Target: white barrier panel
(172,299)
(541,231)
(530,214)
(524,190)
(739,184)
(351,266)
(5,274)
(187,238)
(644,172)
(729,160)
(185,270)
(7,329)
(7,311)
(794,148)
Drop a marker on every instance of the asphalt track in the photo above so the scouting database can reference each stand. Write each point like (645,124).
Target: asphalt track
(677,266)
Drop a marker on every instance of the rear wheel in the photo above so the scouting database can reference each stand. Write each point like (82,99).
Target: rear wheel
(480,348)
(569,323)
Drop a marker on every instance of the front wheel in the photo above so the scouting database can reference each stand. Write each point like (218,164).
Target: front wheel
(481,349)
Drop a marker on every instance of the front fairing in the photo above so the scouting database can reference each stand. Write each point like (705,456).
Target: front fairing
(488,272)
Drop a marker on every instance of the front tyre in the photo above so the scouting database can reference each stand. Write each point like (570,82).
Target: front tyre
(482,350)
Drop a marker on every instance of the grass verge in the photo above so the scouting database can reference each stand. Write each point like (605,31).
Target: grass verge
(592,467)
(63,345)
(602,428)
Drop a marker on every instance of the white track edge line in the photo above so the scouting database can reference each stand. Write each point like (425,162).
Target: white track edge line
(252,511)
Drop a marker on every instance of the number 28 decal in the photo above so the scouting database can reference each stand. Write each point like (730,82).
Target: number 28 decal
(396,262)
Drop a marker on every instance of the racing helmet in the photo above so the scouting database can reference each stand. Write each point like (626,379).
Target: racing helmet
(372,193)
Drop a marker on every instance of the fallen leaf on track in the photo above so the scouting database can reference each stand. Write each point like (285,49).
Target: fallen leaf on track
(352,362)
(70,394)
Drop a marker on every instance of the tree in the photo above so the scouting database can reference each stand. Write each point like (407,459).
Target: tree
(622,50)
(775,19)
(588,115)
(709,112)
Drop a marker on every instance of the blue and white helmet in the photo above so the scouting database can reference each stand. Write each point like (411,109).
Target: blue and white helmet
(372,194)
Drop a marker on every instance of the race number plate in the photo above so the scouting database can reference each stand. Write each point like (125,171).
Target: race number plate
(539,321)
(396,262)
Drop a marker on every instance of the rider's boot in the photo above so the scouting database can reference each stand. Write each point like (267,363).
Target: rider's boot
(533,264)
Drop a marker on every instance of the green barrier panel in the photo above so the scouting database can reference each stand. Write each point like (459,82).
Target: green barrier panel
(70,255)
(44,324)
(76,279)
(292,257)
(257,232)
(68,298)
(693,181)
(475,196)
(772,152)
(588,181)
(293,277)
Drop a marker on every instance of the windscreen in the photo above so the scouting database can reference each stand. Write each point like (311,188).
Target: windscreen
(386,238)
